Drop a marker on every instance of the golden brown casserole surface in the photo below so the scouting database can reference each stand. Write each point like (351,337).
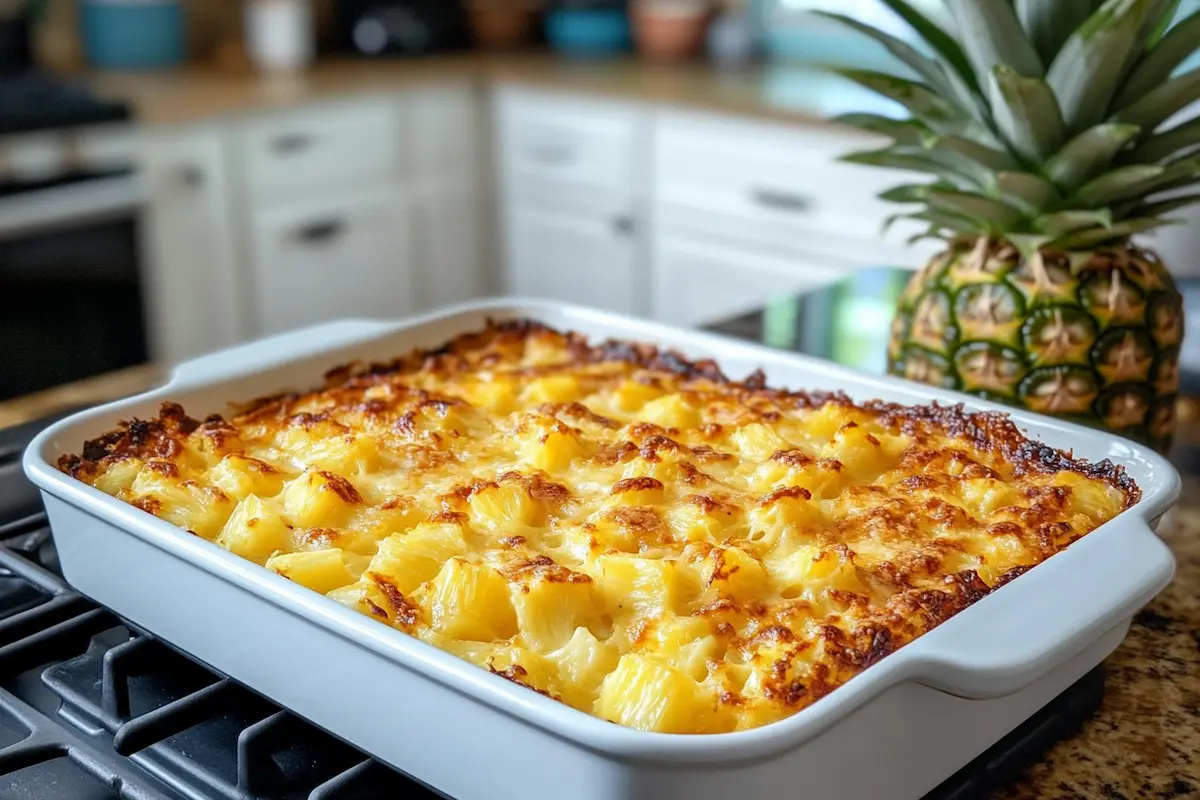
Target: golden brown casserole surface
(616,527)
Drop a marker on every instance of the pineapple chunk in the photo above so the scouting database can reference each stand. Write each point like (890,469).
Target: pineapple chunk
(119,477)
(758,442)
(551,389)
(320,570)
(631,396)
(670,411)
(325,444)
(638,491)
(546,443)
(527,668)
(821,425)
(471,601)
(583,663)
(649,586)
(556,453)
(254,531)
(732,572)
(505,506)
(648,695)
(686,643)
(780,513)
(496,396)
(239,476)
(319,499)
(984,496)
(861,453)
(201,509)
(1095,501)
(810,573)
(549,609)
(397,515)
(410,559)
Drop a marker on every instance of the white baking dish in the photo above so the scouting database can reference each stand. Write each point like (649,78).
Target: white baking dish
(895,731)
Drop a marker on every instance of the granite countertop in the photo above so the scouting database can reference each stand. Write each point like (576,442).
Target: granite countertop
(1145,740)
(774,92)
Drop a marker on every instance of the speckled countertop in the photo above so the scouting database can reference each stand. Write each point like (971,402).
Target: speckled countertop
(774,92)
(1145,740)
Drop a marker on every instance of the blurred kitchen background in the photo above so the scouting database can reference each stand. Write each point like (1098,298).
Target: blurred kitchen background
(177,176)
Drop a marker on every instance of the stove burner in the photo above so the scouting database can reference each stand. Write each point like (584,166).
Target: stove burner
(93,709)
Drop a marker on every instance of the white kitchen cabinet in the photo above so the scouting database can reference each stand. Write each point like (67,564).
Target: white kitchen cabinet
(589,144)
(348,256)
(193,286)
(446,133)
(698,282)
(569,197)
(780,186)
(331,146)
(449,234)
(571,257)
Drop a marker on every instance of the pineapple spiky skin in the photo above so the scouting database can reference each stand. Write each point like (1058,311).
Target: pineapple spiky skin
(1091,337)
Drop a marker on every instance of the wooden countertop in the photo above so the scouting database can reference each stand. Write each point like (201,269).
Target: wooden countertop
(195,94)
(1145,740)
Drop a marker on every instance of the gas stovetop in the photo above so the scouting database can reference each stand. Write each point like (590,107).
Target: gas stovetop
(93,709)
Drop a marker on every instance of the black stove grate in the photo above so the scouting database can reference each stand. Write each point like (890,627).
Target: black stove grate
(93,709)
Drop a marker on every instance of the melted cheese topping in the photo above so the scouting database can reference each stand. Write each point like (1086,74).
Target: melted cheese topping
(617,528)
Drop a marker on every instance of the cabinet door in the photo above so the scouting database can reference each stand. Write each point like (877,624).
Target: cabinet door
(574,258)
(194,295)
(446,133)
(698,283)
(448,236)
(347,257)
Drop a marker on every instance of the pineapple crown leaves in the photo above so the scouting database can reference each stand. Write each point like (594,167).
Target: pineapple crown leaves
(1045,122)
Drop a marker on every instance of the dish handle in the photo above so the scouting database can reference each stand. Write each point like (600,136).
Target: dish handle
(1044,617)
(274,350)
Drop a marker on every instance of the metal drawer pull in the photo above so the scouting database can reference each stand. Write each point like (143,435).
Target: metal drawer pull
(553,154)
(321,232)
(290,143)
(782,201)
(191,176)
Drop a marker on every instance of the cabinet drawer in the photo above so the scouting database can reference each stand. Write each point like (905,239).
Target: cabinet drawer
(575,258)
(328,147)
(790,239)
(338,258)
(782,178)
(587,144)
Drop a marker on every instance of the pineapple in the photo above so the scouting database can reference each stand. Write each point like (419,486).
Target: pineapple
(1046,130)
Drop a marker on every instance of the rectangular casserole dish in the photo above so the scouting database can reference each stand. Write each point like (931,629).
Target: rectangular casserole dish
(918,715)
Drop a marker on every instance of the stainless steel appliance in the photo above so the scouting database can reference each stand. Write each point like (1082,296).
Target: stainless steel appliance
(402,27)
(70,276)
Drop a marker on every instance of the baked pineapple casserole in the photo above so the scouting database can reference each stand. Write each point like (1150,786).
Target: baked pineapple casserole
(615,527)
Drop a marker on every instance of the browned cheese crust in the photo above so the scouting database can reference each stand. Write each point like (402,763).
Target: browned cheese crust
(615,526)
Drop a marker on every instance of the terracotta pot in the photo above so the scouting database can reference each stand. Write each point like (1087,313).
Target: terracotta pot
(670,31)
(500,25)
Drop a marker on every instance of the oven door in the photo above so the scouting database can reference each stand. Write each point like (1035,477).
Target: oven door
(71,302)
